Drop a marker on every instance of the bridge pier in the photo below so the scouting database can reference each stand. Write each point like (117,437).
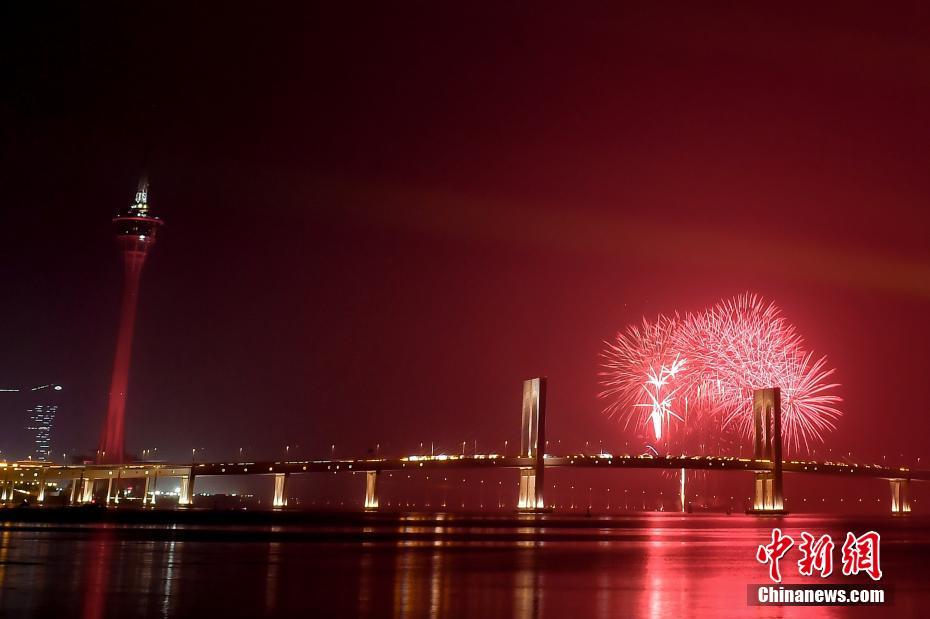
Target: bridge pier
(40,496)
(88,491)
(527,499)
(147,497)
(533,445)
(186,496)
(109,489)
(900,496)
(371,490)
(768,491)
(3,490)
(72,499)
(116,486)
(280,490)
(764,493)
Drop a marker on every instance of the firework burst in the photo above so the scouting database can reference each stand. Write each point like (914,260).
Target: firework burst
(643,373)
(697,373)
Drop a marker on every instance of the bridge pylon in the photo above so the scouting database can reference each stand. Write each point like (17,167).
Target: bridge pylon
(533,445)
(768,492)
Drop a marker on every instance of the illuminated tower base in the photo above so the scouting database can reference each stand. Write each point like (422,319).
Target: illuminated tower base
(280,490)
(371,490)
(900,496)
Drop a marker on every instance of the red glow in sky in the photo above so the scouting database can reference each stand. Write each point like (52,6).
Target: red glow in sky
(383,221)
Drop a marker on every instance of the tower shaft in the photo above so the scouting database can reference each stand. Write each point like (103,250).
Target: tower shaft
(112,443)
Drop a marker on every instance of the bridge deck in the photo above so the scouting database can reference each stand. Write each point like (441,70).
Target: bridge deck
(52,472)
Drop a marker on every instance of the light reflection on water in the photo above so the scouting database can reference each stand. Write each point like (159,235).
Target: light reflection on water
(641,566)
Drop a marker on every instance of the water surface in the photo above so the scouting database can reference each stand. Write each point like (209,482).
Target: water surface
(648,565)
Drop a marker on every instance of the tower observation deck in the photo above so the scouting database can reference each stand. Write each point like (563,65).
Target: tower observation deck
(136,228)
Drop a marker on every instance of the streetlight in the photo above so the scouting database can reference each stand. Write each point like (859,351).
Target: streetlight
(505,449)
(332,451)
(240,454)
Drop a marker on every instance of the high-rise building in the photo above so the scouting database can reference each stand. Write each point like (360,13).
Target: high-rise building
(41,405)
(41,418)
(136,226)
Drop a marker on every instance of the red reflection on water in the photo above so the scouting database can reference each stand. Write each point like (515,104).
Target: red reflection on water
(701,571)
(97,570)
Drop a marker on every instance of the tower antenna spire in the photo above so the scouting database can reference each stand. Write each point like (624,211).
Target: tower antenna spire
(142,191)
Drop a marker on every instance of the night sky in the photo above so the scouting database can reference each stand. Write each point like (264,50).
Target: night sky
(380,221)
